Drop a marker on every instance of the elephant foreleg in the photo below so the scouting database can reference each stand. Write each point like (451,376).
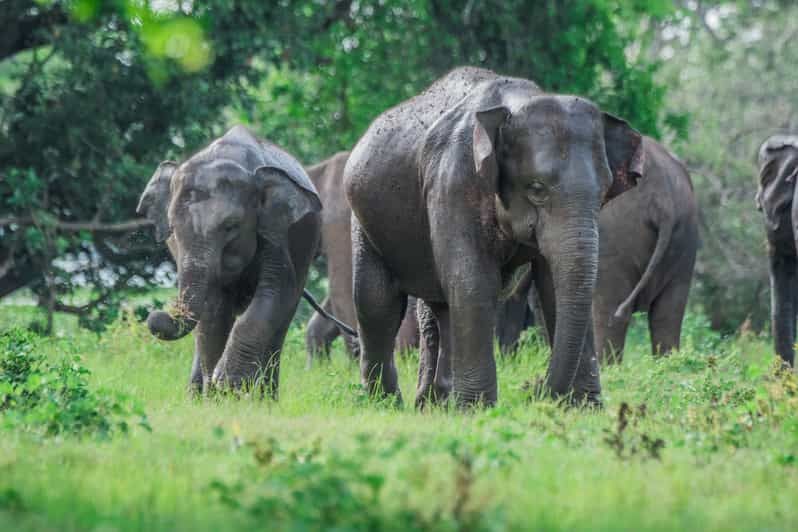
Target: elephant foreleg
(210,338)
(252,353)
(782,294)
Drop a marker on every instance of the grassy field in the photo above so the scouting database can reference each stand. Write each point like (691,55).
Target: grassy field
(704,440)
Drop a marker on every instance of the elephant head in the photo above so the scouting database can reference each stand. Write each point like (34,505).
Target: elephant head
(212,210)
(555,160)
(778,170)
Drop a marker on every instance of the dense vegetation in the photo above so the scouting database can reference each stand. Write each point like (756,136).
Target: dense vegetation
(704,440)
(96,93)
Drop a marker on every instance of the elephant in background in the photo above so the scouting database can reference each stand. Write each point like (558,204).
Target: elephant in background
(242,221)
(647,251)
(778,171)
(456,188)
(336,246)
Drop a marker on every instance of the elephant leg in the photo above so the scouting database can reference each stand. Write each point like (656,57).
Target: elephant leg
(610,332)
(434,363)
(268,380)
(666,315)
(210,338)
(252,353)
(783,287)
(512,318)
(379,306)
(320,334)
(195,380)
(409,335)
(611,338)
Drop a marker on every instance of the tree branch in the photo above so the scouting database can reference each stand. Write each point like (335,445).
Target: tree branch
(113,227)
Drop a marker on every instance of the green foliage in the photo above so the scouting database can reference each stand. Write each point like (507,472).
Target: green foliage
(53,397)
(95,93)
(729,69)
(699,425)
(311,488)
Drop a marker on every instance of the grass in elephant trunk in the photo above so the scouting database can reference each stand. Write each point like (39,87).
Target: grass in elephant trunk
(706,439)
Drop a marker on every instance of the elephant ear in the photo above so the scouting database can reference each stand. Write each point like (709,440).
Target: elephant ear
(778,172)
(154,201)
(287,197)
(625,155)
(485,140)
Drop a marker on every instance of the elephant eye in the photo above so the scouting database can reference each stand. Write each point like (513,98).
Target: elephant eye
(536,192)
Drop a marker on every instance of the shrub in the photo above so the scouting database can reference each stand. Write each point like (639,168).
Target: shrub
(53,397)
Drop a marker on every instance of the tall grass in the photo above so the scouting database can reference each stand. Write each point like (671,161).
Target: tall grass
(705,439)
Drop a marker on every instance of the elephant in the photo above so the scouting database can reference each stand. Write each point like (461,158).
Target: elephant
(778,171)
(336,246)
(242,221)
(452,191)
(514,314)
(648,241)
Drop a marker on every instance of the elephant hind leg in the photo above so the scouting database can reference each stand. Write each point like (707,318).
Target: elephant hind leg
(408,337)
(379,305)
(320,334)
(434,362)
(611,340)
(666,315)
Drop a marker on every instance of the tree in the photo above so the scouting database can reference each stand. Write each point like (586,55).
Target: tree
(95,93)
(730,64)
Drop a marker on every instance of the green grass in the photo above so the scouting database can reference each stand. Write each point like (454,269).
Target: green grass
(327,455)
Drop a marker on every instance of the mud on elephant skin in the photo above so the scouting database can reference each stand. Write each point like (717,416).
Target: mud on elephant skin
(778,171)
(648,244)
(456,188)
(241,219)
(336,247)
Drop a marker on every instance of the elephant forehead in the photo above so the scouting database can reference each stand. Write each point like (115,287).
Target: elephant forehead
(205,216)
(216,174)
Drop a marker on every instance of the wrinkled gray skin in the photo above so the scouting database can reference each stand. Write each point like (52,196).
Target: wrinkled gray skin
(778,171)
(647,251)
(242,221)
(454,189)
(336,246)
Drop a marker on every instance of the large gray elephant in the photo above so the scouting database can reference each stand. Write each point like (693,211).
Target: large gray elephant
(336,246)
(513,317)
(778,171)
(647,252)
(456,188)
(242,221)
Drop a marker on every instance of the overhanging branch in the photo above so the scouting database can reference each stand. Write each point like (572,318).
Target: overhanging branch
(113,227)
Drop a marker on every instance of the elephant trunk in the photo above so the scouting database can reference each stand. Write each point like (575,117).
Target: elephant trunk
(574,269)
(193,280)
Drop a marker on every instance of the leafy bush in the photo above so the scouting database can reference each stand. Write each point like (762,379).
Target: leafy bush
(53,397)
(311,488)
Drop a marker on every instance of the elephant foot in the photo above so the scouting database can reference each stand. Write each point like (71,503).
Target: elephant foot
(432,394)
(537,389)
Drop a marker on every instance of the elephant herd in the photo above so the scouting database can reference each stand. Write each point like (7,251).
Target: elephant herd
(457,213)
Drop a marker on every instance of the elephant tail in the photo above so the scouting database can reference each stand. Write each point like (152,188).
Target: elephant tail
(663,239)
(318,308)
